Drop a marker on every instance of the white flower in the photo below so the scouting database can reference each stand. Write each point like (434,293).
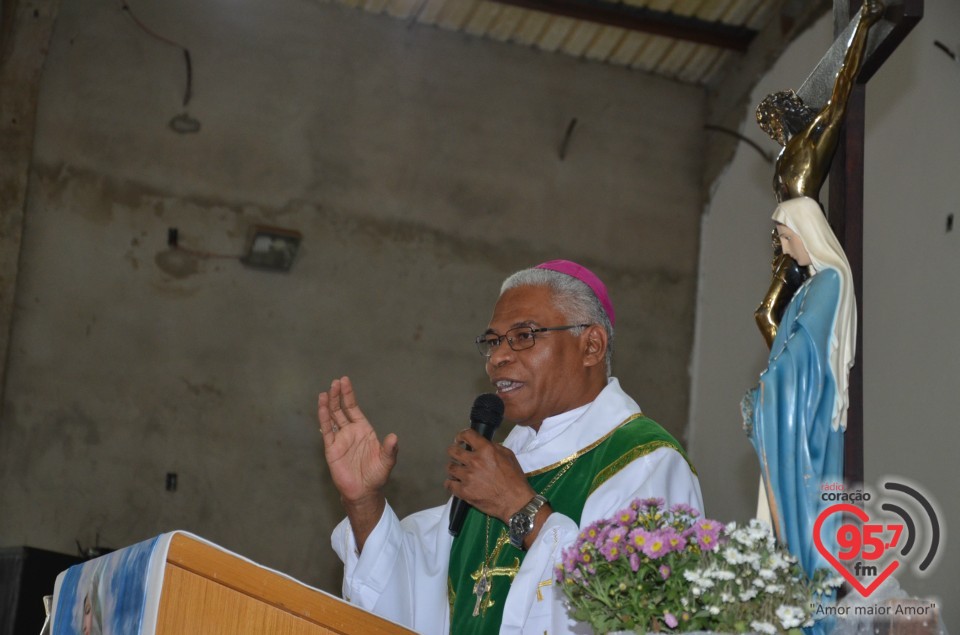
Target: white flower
(747,595)
(732,556)
(692,576)
(774,588)
(713,610)
(726,598)
(763,627)
(743,538)
(758,530)
(721,574)
(777,561)
(757,582)
(790,616)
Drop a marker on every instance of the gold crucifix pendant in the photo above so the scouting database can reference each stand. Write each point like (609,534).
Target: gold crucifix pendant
(480,588)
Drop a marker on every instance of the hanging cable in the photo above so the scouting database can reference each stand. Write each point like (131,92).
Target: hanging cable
(181,123)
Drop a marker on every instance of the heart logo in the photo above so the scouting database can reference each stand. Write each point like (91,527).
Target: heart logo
(840,508)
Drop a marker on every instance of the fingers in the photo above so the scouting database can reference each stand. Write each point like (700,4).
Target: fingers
(323,415)
(472,438)
(348,400)
(338,406)
(330,412)
(468,451)
(391,448)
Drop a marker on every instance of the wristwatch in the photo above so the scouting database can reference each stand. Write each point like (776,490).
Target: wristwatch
(521,523)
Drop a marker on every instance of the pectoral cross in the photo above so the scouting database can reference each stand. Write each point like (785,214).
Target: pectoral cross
(484,582)
(480,589)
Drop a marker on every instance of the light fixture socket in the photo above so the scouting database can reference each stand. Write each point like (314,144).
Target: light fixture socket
(272,248)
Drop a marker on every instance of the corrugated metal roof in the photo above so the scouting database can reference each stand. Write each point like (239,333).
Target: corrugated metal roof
(664,37)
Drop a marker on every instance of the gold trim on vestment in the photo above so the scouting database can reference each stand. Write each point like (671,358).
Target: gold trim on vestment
(633,453)
(576,455)
(543,584)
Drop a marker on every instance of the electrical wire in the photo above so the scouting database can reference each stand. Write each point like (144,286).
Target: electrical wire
(750,142)
(188,92)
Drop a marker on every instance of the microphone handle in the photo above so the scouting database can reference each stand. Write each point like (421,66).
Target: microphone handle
(460,507)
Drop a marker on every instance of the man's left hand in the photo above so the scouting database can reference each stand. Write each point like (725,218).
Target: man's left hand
(489,477)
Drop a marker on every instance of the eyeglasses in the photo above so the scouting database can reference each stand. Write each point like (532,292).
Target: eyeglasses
(519,338)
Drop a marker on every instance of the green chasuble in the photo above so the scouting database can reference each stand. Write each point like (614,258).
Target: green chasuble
(483,562)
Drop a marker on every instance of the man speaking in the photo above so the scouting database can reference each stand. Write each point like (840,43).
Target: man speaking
(581,451)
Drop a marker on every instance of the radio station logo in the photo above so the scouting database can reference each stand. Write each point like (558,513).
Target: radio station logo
(878,532)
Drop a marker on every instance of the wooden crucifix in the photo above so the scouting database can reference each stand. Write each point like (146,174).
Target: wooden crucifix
(846,191)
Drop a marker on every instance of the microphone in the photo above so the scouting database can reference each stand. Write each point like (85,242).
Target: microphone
(485,418)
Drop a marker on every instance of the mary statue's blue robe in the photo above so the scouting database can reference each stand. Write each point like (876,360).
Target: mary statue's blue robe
(792,416)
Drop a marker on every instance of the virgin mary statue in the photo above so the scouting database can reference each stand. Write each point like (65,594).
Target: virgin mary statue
(796,416)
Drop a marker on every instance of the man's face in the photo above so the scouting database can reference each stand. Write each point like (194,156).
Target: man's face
(546,379)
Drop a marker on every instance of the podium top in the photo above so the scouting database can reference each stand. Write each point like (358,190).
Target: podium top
(181,583)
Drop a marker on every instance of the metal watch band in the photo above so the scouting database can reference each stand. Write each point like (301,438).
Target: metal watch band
(521,523)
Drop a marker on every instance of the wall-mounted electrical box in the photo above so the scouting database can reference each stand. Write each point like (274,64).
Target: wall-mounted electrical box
(272,248)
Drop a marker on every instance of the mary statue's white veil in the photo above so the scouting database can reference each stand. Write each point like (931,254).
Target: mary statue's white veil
(804,216)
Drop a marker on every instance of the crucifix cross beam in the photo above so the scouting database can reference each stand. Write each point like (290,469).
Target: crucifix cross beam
(846,179)
(885,36)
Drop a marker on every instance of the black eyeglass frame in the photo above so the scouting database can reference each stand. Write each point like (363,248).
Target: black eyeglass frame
(484,342)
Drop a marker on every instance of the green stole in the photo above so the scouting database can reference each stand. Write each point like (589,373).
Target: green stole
(476,601)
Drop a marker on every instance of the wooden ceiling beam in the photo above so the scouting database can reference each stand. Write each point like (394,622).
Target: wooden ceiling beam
(635,18)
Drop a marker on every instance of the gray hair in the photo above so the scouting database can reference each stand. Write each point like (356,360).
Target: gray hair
(572,297)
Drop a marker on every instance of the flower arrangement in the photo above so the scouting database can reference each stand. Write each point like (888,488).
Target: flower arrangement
(651,569)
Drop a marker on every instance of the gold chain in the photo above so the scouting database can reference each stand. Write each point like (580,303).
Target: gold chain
(483,577)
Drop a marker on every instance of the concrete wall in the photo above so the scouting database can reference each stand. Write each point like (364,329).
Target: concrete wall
(421,167)
(911,263)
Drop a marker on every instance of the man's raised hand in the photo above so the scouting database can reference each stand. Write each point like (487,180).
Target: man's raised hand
(359,463)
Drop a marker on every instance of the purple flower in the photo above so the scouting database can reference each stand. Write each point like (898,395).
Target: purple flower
(683,508)
(591,531)
(670,619)
(708,525)
(614,543)
(611,551)
(586,557)
(707,533)
(616,535)
(651,503)
(571,557)
(638,538)
(664,573)
(655,546)
(627,516)
(675,540)
(634,561)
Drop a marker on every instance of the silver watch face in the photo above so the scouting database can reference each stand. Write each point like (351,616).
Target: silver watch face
(521,524)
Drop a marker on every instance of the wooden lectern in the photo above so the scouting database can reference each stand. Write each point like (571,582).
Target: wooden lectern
(205,589)
(210,591)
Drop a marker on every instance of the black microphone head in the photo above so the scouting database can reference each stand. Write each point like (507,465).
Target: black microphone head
(487,409)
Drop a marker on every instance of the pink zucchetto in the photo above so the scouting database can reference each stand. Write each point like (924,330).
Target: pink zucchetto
(585,276)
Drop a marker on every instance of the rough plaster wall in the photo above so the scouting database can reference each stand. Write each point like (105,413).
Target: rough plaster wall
(911,353)
(421,168)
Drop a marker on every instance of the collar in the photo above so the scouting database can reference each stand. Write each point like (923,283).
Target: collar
(565,434)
